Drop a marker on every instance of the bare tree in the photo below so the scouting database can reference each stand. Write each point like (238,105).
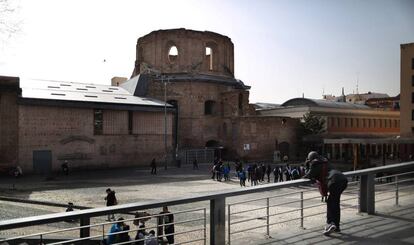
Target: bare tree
(9,25)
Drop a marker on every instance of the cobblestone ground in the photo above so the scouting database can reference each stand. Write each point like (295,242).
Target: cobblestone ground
(134,185)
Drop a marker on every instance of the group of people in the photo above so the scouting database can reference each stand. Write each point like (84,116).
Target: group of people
(258,173)
(220,171)
(119,231)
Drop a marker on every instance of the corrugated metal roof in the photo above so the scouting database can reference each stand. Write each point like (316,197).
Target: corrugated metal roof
(82,92)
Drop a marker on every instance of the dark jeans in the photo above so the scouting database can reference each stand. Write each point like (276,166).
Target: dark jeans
(333,212)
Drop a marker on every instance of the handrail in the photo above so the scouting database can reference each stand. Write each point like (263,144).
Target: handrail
(94,212)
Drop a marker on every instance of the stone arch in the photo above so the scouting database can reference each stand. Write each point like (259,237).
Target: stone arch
(172,52)
(213,144)
(211,56)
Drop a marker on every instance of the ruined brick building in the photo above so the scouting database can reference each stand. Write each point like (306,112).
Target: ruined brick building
(44,123)
(194,72)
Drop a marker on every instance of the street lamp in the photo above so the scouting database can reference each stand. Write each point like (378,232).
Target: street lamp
(165,118)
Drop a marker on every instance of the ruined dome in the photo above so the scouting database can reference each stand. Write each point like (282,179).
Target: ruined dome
(182,51)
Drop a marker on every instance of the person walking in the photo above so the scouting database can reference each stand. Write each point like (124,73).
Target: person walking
(268,172)
(153,167)
(65,167)
(331,181)
(195,164)
(280,171)
(166,224)
(110,201)
(276,174)
(242,177)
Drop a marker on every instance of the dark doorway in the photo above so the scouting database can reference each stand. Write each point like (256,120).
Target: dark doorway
(218,148)
(42,162)
(284,149)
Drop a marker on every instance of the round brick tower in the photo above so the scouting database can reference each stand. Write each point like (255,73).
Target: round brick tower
(185,51)
(194,72)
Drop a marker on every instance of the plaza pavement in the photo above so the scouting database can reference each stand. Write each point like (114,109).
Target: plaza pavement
(391,225)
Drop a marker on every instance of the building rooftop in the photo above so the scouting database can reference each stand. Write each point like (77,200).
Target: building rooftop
(322,103)
(81,92)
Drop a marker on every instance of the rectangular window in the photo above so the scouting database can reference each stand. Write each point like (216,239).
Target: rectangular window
(345,122)
(412,63)
(374,123)
(364,123)
(130,121)
(338,122)
(412,115)
(357,122)
(412,80)
(379,123)
(98,122)
(412,97)
(351,122)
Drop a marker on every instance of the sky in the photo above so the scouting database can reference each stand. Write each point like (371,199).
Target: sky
(283,49)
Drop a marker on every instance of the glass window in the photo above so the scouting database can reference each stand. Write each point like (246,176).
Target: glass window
(130,121)
(98,122)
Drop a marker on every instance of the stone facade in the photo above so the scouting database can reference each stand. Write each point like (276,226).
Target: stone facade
(213,107)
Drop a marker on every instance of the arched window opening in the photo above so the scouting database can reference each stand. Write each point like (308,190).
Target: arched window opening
(240,101)
(209,57)
(173,54)
(209,107)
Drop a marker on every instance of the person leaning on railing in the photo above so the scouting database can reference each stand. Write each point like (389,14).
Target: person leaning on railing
(330,181)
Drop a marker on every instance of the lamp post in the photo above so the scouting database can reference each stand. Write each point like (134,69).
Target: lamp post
(165,119)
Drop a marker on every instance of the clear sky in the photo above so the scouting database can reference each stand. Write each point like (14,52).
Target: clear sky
(282,48)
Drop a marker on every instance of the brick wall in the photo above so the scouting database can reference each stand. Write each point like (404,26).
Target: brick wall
(8,128)
(69,134)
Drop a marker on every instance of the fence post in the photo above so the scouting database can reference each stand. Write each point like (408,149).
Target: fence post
(85,232)
(301,209)
(367,194)
(396,191)
(228,225)
(267,218)
(218,221)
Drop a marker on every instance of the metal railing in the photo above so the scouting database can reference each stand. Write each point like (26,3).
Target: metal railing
(215,231)
(285,208)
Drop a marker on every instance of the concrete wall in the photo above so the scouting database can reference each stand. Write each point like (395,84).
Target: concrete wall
(69,134)
(407,89)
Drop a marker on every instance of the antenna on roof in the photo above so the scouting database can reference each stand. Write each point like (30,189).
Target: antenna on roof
(357,92)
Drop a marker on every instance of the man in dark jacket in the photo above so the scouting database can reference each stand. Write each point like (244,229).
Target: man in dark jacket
(331,181)
(110,201)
